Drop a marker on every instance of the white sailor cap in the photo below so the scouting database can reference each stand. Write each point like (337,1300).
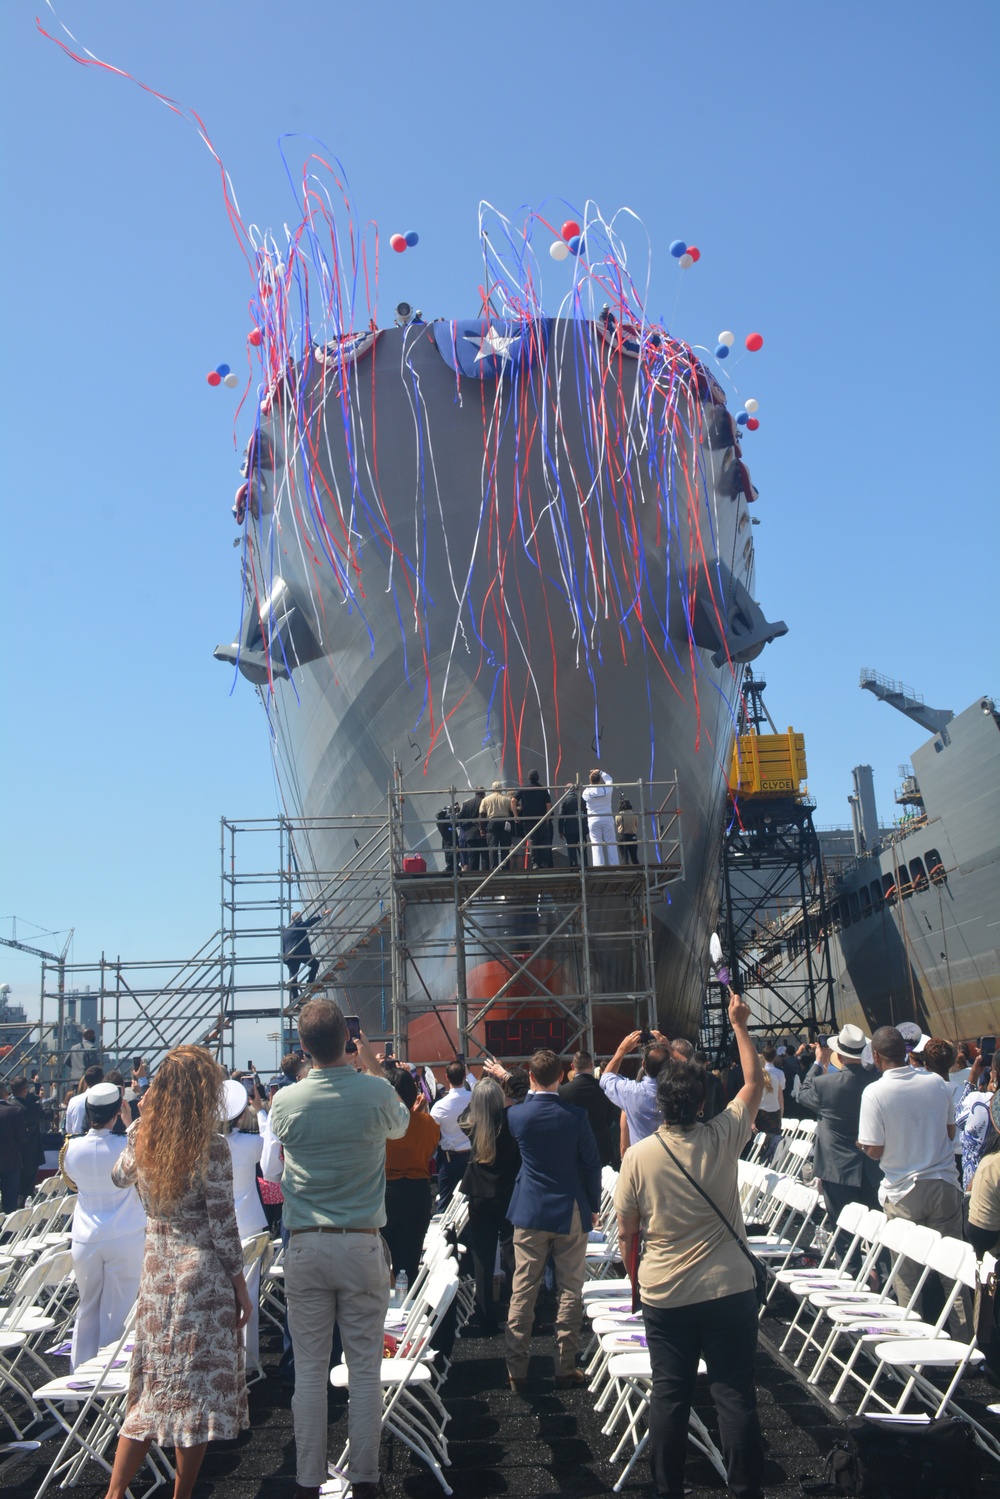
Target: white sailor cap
(102,1095)
(234,1099)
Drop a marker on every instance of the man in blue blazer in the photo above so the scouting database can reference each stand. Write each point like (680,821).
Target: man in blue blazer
(555,1202)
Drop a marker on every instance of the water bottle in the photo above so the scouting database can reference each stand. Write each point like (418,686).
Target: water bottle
(402,1286)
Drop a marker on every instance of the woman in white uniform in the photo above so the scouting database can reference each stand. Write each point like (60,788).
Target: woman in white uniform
(109,1227)
(250,1218)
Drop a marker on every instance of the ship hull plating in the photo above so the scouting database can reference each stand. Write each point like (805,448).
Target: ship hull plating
(483,578)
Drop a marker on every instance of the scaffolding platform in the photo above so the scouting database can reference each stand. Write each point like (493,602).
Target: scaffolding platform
(555,944)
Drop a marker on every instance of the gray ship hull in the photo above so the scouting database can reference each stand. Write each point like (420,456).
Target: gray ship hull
(548,570)
(915,926)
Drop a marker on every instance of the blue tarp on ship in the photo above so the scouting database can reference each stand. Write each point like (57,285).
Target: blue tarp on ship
(485,348)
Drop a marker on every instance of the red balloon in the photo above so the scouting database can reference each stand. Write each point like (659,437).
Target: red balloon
(214,378)
(256,338)
(752,424)
(694,253)
(570,229)
(398,243)
(755,341)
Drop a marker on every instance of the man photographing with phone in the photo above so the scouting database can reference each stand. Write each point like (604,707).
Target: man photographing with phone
(332,1128)
(637,1098)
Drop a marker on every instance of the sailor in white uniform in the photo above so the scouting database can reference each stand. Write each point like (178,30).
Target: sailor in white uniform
(109,1228)
(601,819)
(250,1218)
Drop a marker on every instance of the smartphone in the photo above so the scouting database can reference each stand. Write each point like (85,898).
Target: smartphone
(987,1046)
(353,1023)
(251,1067)
(460,1057)
(645,1036)
(390,1049)
(136,1063)
(248,1085)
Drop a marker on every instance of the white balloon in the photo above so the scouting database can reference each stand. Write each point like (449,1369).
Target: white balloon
(559,249)
(728,339)
(231,380)
(751,405)
(686,262)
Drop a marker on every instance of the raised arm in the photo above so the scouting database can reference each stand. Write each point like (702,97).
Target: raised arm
(752,1090)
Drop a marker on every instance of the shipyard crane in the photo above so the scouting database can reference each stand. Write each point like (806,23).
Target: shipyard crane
(908,702)
(39,952)
(59,959)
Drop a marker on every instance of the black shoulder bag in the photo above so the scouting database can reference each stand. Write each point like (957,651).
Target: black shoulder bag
(758,1266)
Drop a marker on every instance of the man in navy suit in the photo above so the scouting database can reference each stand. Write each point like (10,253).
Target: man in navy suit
(556,1200)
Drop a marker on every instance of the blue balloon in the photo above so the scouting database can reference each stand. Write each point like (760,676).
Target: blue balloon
(576,245)
(678,248)
(743,418)
(412,238)
(222,369)
(722,351)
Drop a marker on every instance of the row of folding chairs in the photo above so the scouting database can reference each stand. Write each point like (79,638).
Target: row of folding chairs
(86,1407)
(858,1325)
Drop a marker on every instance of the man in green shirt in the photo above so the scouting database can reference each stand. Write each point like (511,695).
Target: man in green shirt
(332,1128)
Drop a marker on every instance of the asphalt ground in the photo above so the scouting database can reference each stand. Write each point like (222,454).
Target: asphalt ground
(541,1445)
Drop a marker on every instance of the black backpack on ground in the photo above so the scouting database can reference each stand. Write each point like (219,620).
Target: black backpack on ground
(890,1460)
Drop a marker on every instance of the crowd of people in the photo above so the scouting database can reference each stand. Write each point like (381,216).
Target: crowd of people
(491,828)
(348,1153)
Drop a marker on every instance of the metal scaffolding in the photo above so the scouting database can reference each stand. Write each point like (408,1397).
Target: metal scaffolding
(558,942)
(535,952)
(775,913)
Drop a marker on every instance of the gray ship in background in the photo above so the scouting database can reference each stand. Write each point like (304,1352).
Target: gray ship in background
(476,549)
(914,917)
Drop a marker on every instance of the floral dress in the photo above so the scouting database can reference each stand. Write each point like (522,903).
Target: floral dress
(187,1382)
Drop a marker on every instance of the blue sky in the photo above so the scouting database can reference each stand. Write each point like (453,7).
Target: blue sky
(835,164)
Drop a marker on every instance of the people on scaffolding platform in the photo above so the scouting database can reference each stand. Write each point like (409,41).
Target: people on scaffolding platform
(627,829)
(533,804)
(497,814)
(447,821)
(472,854)
(296,950)
(573,829)
(601,819)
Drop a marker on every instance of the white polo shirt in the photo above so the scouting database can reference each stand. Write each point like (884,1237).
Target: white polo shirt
(446,1112)
(908,1113)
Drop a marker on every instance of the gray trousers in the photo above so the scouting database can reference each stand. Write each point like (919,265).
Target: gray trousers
(532,1247)
(934,1204)
(342,1278)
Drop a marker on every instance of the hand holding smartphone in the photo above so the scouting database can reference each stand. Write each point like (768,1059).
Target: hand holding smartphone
(353,1023)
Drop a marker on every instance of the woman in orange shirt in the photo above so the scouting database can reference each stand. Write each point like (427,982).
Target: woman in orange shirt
(408,1179)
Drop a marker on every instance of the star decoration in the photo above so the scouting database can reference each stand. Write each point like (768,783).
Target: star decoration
(494,345)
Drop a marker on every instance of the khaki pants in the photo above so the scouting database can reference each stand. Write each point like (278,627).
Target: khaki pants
(532,1247)
(342,1278)
(934,1204)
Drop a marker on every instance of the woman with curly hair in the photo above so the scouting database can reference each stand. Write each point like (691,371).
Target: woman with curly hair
(187,1386)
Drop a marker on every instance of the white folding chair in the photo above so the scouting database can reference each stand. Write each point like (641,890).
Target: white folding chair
(908,1359)
(89,1406)
(908,1241)
(411,1407)
(954,1262)
(633,1374)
